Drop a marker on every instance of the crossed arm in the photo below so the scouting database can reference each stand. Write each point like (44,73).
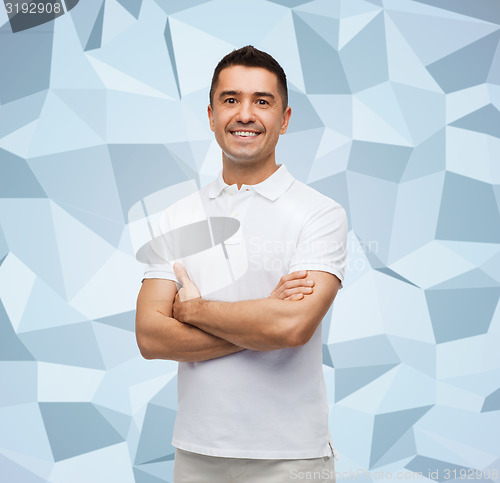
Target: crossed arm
(184,327)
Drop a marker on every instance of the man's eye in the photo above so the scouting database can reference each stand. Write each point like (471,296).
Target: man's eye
(230,100)
(262,102)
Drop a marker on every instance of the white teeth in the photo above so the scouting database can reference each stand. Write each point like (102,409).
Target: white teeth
(245,133)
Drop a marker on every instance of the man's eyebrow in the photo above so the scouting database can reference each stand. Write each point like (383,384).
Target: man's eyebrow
(264,94)
(239,93)
(229,93)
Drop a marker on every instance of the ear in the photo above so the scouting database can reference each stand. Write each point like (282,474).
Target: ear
(211,117)
(286,120)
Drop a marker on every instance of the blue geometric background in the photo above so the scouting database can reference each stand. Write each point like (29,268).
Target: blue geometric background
(395,115)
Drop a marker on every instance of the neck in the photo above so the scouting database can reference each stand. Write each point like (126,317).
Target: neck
(249,175)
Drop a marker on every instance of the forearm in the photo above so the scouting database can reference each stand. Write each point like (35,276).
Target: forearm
(162,337)
(263,324)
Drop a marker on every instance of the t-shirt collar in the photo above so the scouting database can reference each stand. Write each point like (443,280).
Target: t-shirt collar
(271,188)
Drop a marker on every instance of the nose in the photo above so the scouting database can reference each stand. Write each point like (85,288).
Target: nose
(245,112)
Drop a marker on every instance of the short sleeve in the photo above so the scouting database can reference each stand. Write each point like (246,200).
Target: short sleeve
(159,265)
(322,243)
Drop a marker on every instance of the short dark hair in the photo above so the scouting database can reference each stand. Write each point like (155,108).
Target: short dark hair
(249,56)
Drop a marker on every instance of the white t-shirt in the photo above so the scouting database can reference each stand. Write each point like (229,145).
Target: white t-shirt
(255,404)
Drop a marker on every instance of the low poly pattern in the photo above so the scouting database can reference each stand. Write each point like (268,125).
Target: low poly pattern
(396,115)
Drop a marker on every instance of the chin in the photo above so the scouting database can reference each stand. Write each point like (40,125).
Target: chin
(241,158)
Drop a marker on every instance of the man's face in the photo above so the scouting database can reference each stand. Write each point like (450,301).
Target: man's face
(247,115)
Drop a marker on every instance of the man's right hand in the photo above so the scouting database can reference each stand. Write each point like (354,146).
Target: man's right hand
(293,286)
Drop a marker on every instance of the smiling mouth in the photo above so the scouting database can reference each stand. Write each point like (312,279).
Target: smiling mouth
(245,134)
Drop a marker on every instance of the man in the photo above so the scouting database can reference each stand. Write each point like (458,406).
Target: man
(252,398)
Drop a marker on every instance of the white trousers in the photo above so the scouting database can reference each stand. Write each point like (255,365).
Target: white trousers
(197,468)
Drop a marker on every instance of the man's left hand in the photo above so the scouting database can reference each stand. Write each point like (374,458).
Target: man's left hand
(188,292)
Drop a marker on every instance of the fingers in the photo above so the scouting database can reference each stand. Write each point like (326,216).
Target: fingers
(188,290)
(180,273)
(176,301)
(293,276)
(293,284)
(298,283)
(292,288)
(292,280)
(294,291)
(286,279)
